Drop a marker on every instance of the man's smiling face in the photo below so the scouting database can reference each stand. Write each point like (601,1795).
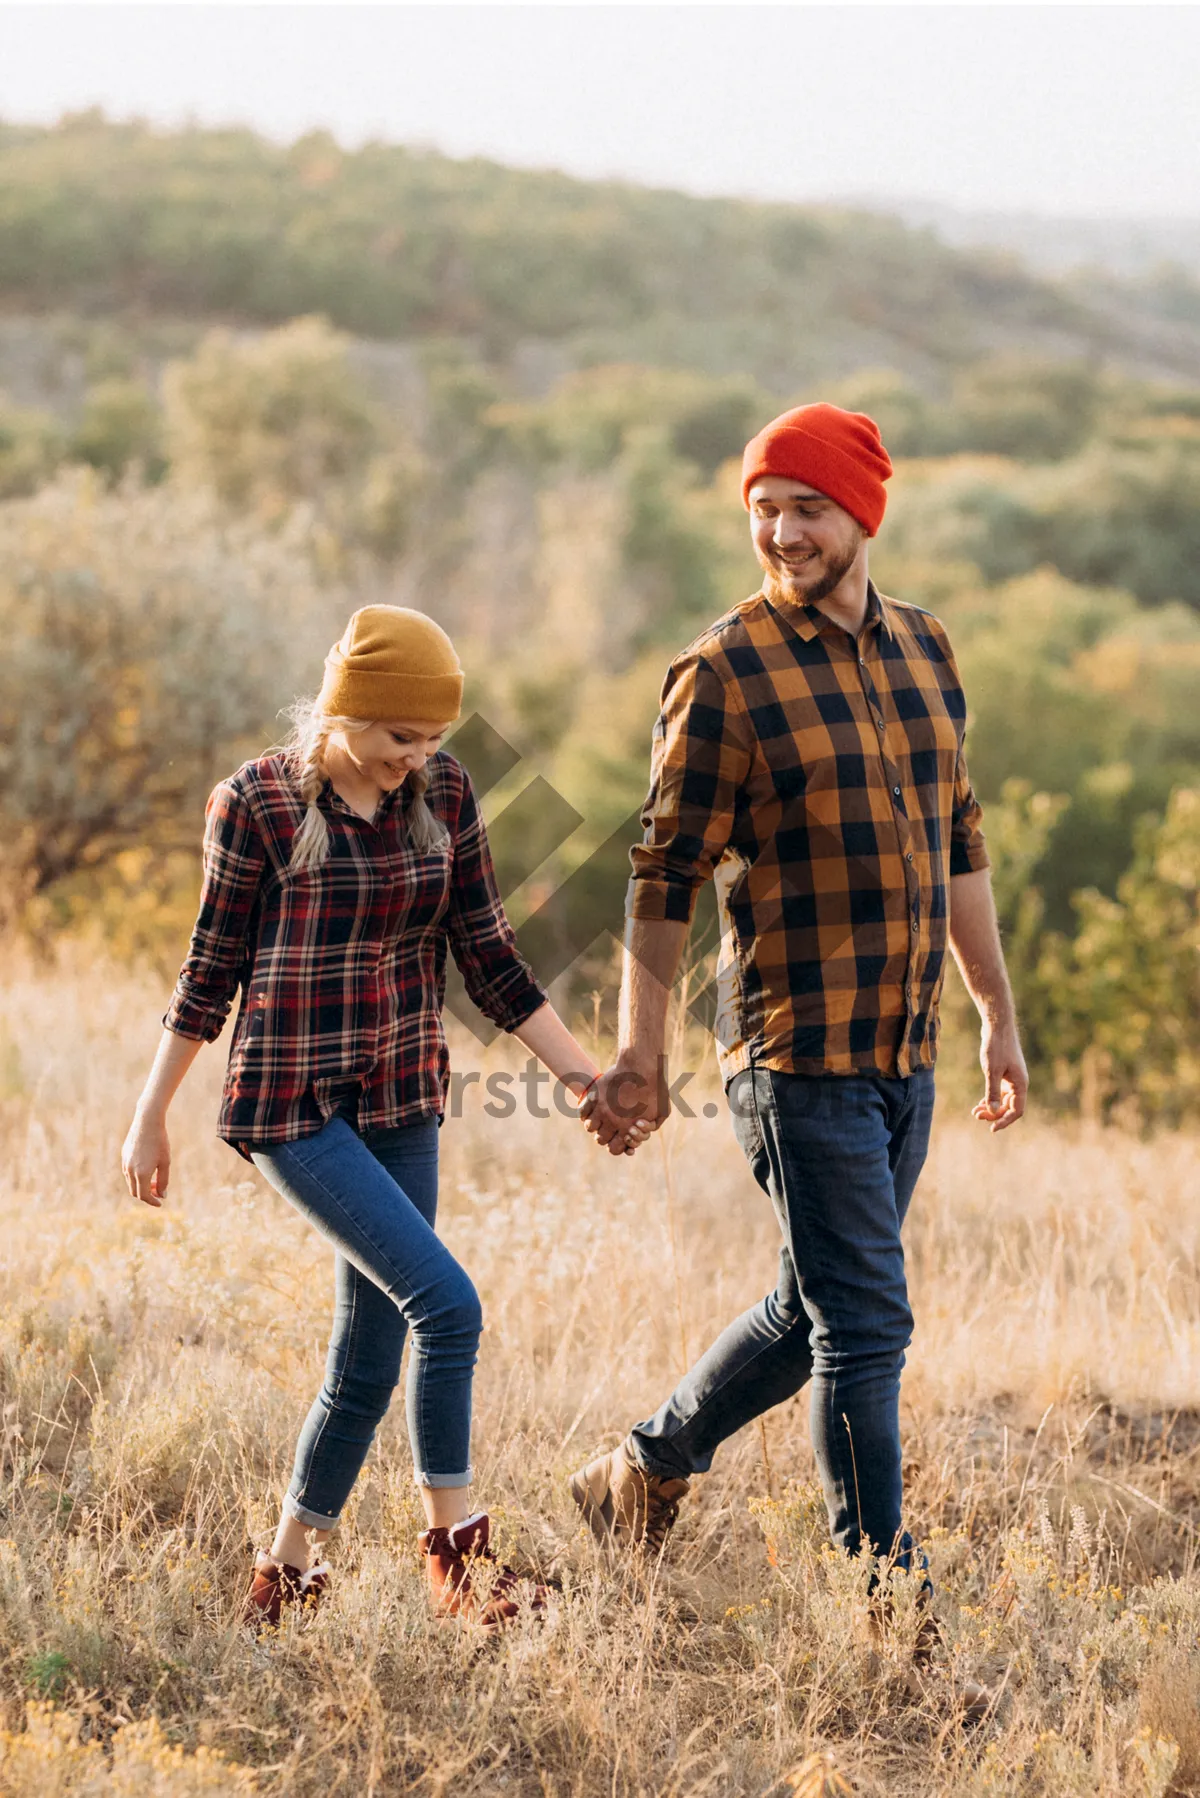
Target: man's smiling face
(805,542)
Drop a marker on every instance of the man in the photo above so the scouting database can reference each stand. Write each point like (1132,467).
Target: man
(809,755)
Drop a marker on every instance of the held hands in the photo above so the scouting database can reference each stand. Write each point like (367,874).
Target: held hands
(623,1106)
(1006,1081)
(146,1159)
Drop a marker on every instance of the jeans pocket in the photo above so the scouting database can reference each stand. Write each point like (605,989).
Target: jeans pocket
(743,1109)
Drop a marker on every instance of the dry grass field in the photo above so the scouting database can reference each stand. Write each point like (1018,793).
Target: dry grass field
(155,1367)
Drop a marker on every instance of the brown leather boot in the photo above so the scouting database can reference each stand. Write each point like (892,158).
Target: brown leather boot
(274,1584)
(466,1580)
(623,1505)
(975,1701)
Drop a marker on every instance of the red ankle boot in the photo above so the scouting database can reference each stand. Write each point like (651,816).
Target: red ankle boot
(274,1584)
(467,1581)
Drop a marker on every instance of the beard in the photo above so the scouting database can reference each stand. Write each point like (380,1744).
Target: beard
(835,567)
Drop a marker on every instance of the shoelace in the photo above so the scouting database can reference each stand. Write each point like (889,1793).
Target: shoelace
(660,1520)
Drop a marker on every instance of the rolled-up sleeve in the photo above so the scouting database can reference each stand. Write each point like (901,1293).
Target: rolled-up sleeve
(968,849)
(484,945)
(699,758)
(234,859)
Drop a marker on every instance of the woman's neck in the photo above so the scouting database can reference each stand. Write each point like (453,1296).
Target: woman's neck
(360,793)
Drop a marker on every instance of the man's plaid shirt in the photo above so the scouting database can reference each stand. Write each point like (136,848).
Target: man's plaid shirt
(342,966)
(822,780)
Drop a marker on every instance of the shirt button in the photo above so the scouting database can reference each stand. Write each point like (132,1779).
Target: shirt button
(908,857)
(880,723)
(896,791)
(914,926)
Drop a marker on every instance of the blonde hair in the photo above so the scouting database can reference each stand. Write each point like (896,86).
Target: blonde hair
(305,752)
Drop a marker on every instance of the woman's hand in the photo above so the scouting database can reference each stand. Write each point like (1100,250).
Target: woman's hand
(625,1137)
(548,1037)
(146,1158)
(146,1153)
(636,1135)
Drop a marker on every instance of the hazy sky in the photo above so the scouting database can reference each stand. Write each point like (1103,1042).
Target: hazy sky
(1054,109)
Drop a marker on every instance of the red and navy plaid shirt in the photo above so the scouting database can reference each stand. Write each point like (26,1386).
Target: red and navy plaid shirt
(343,965)
(821,779)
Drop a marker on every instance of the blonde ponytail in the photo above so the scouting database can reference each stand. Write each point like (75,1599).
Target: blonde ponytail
(305,751)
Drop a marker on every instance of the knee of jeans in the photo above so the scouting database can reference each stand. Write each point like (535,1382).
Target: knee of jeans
(881,1336)
(458,1312)
(360,1396)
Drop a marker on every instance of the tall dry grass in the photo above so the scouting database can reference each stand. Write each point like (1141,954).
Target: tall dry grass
(155,1368)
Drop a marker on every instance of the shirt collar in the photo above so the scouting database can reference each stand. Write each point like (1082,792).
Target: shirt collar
(809,621)
(397,797)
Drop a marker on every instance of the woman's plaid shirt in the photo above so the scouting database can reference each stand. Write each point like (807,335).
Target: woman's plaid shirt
(822,780)
(342,966)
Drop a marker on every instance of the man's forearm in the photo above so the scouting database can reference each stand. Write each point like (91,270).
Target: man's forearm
(975,943)
(653,948)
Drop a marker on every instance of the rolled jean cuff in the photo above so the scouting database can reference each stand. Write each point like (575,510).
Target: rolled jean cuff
(437,1482)
(312,1520)
(651,1465)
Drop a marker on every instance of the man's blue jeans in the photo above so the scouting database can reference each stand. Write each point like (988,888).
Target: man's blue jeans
(374,1197)
(839,1156)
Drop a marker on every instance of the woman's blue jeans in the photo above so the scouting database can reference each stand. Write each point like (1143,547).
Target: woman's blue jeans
(839,1156)
(374,1197)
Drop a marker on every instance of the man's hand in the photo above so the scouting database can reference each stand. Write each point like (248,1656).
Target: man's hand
(625,1105)
(1006,1081)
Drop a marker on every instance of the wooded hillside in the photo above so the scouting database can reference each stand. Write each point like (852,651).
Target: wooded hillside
(392,242)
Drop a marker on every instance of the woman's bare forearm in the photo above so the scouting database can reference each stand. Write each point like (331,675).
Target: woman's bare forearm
(545,1035)
(146,1152)
(174,1057)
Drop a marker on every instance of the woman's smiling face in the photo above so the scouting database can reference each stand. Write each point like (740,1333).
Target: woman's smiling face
(387,753)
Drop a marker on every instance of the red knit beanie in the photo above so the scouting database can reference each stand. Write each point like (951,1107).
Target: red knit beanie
(839,453)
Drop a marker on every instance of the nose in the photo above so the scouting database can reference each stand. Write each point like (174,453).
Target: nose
(789,531)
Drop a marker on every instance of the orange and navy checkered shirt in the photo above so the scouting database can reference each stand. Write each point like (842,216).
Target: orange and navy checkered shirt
(821,780)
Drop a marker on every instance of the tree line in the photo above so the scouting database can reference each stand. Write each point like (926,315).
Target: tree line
(394,242)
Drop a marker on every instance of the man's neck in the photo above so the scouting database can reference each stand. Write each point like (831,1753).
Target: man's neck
(847,604)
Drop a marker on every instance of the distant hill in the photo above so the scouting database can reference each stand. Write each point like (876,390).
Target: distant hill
(396,244)
(1128,248)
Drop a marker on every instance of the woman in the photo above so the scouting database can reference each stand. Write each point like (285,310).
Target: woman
(336,872)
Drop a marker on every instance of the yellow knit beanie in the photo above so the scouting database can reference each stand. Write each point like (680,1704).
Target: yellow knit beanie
(392,663)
